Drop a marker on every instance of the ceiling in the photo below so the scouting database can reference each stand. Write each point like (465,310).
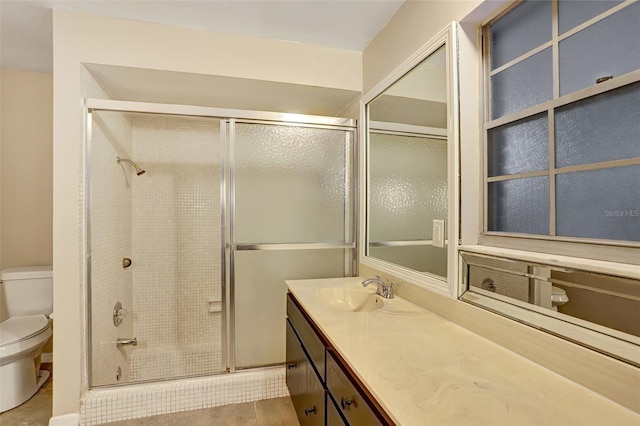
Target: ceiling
(26,28)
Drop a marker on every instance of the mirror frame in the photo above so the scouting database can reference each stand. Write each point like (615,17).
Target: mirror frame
(448,36)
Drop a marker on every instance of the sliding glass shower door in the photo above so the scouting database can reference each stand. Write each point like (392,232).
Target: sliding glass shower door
(292,218)
(154,263)
(193,226)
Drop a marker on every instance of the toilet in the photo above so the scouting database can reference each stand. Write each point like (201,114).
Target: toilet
(558,297)
(28,297)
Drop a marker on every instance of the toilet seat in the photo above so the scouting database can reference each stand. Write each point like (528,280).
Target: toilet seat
(17,329)
(21,335)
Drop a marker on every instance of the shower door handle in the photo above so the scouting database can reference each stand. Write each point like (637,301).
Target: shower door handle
(123,342)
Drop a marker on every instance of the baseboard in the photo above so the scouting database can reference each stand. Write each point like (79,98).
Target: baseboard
(72,419)
(46,357)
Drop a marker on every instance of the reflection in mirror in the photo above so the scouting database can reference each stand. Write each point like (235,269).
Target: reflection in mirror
(407,186)
(604,303)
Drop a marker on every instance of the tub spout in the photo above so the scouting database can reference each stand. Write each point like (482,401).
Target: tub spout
(122,342)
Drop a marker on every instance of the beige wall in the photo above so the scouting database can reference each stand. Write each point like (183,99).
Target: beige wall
(415,23)
(79,39)
(3,310)
(27,168)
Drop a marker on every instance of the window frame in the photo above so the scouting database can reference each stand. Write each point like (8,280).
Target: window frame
(618,251)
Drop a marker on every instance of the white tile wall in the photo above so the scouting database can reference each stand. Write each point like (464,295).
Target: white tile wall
(199,358)
(176,243)
(144,400)
(110,242)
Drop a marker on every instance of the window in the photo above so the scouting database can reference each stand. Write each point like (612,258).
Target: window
(562,125)
(560,242)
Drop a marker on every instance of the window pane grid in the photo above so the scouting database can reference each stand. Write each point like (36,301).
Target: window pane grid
(549,107)
(567,99)
(556,55)
(556,37)
(521,58)
(570,169)
(594,20)
(552,157)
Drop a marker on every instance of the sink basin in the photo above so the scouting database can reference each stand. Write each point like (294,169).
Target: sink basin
(349,299)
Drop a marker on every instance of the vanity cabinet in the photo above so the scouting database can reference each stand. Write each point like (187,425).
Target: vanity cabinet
(348,397)
(306,390)
(322,389)
(334,418)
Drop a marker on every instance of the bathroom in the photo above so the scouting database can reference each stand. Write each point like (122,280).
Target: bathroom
(345,74)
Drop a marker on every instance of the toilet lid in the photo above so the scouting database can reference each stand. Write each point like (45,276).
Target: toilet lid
(18,328)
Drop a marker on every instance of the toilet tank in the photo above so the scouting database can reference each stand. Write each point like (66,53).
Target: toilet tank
(28,290)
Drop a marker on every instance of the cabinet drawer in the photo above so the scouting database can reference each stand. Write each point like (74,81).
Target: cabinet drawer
(334,418)
(350,401)
(310,340)
(296,366)
(305,388)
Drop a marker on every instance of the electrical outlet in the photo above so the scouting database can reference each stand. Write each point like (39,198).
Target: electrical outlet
(438,233)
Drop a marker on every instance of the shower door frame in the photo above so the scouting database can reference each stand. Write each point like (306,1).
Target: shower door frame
(227,117)
(228,143)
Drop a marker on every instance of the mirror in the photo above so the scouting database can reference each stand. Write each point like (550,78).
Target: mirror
(605,304)
(407,189)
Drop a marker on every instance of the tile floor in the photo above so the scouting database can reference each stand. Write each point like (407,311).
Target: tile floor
(268,412)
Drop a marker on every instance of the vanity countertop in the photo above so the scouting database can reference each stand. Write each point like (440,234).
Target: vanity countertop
(424,369)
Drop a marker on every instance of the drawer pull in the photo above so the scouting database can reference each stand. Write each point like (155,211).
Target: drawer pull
(346,403)
(310,411)
(292,365)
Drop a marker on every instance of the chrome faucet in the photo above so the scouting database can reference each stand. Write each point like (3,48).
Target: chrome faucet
(384,289)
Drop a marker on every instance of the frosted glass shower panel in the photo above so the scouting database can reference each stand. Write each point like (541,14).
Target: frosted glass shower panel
(519,206)
(601,128)
(524,28)
(599,204)
(519,147)
(407,186)
(260,298)
(607,48)
(523,85)
(572,13)
(291,183)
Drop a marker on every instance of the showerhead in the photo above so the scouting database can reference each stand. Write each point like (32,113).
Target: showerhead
(139,170)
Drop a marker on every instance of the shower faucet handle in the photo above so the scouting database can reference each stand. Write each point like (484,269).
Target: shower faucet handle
(118,314)
(127,341)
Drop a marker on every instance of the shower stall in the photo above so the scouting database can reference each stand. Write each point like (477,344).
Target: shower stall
(195,216)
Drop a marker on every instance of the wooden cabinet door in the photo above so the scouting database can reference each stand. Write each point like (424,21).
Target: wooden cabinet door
(333,415)
(295,365)
(305,388)
(350,400)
